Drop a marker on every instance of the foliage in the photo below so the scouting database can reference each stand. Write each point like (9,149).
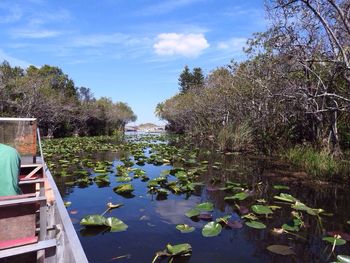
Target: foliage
(293,88)
(61,108)
(317,163)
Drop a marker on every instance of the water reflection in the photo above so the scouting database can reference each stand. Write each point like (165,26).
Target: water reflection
(152,218)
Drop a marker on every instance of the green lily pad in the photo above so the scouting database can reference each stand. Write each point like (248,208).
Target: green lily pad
(239,196)
(281,250)
(293,228)
(185,228)
(256,224)
(338,241)
(207,207)
(343,258)
(211,229)
(302,207)
(93,220)
(180,249)
(223,219)
(261,209)
(116,224)
(193,212)
(280,187)
(123,189)
(285,198)
(124,179)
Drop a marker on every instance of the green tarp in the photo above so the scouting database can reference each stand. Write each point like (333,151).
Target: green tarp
(10,163)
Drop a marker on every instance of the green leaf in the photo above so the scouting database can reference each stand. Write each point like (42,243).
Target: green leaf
(124,179)
(180,249)
(302,207)
(211,229)
(281,187)
(185,228)
(261,209)
(285,198)
(281,250)
(164,172)
(123,189)
(193,212)
(207,207)
(338,241)
(290,228)
(239,196)
(116,224)
(256,224)
(223,219)
(343,258)
(93,220)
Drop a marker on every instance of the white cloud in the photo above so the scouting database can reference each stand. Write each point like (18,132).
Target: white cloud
(234,44)
(12,60)
(35,33)
(188,45)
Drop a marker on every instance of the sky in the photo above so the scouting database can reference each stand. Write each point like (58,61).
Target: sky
(128,50)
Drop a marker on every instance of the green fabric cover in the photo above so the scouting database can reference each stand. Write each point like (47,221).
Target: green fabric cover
(10,163)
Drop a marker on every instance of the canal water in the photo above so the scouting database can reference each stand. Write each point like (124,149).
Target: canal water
(152,218)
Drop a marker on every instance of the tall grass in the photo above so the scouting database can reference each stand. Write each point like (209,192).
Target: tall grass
(236,138)
(317,163)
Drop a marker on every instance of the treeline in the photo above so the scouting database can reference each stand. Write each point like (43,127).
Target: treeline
(294,88)
(62,109)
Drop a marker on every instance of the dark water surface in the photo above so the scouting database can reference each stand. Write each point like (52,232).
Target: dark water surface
(152,221)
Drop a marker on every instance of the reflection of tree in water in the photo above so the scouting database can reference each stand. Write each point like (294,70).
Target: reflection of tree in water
(66,184)
(256,173)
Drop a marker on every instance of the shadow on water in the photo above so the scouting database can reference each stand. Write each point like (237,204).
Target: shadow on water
(152,217)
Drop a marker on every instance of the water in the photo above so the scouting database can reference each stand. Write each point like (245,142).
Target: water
(151,221)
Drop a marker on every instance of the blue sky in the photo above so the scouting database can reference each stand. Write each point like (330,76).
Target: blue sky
(129,50)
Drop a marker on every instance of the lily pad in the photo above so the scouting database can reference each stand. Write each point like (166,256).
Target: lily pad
(302,207)
(116,224)
(211,229)
(343,258)
(93,220)
(180,249)
(123,189)
(256,224)
(338,241)
(124,179)
(261,209)
(207,206)
(239,196)
(285,198)
(280,187)
(281,250)
(184,228)
(193,212)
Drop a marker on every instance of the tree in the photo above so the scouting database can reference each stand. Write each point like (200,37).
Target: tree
(314,35)
(62,109)
(185,80)
(190,80)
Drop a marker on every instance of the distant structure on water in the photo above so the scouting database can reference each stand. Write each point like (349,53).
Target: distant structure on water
(147,127)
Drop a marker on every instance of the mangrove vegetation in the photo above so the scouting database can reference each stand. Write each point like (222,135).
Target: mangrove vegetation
(61,108)
(292,91)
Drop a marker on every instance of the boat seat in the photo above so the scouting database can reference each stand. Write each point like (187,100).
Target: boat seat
(31,172)
(28,253)
(21,211)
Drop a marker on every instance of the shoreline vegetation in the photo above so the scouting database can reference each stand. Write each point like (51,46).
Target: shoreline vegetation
(61,108)
(291,97)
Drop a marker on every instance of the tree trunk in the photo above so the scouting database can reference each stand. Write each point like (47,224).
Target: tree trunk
(333,139)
